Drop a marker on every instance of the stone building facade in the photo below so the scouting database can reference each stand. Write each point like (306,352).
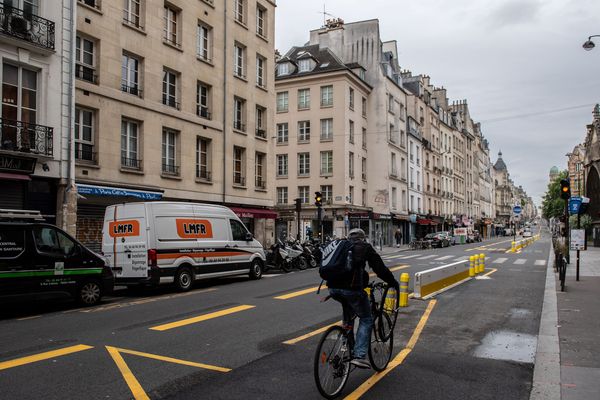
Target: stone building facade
(36,46)
(592,172)
(174,101)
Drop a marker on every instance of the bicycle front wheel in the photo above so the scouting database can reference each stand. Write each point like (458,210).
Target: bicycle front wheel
(332,362)
(380,349)
(389,307)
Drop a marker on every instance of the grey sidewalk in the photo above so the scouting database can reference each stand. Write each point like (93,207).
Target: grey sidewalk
(568,355)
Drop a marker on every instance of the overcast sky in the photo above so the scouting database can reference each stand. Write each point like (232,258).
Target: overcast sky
(519,63)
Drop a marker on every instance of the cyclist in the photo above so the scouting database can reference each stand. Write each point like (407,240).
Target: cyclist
(349,290)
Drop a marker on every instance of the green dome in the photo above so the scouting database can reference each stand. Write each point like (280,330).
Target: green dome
(554,170)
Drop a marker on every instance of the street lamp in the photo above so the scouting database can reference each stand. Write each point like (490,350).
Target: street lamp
(589,45)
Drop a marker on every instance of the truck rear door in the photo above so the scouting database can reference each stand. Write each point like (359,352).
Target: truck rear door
(124,241)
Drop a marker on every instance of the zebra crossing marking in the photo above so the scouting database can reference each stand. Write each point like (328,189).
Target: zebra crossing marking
(540,262)
(444,258)
(426,257)
(500,260)
(520,261)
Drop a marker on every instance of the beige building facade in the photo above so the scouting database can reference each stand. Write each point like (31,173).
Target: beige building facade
(321,142)
(174,101)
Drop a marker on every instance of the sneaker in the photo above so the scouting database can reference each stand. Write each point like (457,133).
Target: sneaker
(361,363)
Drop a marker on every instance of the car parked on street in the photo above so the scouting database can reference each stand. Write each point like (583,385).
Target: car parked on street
(438,239)
(527,233)
(38,257)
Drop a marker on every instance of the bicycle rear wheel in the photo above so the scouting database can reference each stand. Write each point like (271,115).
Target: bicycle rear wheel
(380,350)
(332,362)
(389,306)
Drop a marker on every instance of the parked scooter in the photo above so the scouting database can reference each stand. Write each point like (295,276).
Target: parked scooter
(278,257)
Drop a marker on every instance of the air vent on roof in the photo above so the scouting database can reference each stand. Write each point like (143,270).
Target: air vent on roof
(326,64)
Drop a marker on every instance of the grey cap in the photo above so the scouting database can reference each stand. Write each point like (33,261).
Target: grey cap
(356,233)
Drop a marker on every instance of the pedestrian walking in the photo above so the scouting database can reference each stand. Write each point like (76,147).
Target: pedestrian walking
(398,237)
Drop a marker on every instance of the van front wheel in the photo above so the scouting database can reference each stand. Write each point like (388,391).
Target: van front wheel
(184,279)
(256,270)
(89,293)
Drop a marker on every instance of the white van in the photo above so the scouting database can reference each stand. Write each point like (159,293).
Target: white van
(171,242)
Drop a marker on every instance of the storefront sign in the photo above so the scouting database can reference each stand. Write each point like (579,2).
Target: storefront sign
(17,164)
(120,192)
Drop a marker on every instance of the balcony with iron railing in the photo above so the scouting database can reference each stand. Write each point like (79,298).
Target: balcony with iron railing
(25,137)
(203,173)
(170,169)
(261,133)
(238,179)
(134,90)
(85,153)
(239,126)
(203,112)
(131,163)
(86,73)
(24,25)
(260,183)
(171,102)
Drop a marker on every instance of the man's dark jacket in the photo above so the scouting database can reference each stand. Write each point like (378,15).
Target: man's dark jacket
(362,253)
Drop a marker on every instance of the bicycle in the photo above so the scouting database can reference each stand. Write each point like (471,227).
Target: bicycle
(333,354)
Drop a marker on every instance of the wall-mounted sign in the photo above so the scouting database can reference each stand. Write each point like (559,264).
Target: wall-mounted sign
(17,164)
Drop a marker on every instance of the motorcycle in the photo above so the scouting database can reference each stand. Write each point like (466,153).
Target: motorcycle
(278,257)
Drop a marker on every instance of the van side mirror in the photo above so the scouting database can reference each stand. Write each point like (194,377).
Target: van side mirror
(249,237)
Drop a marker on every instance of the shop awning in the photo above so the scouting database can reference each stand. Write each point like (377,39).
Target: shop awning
(254,213)
(116,191)
(425,221)
(14,177)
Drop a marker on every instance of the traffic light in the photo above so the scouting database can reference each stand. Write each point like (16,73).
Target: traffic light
(318,199)
(565,189)
(298,205)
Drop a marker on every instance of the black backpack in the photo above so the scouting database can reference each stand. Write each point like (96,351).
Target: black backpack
(336,260)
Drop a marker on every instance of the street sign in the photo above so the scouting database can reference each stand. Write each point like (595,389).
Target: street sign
(517,210)
(577,239)
(575,205)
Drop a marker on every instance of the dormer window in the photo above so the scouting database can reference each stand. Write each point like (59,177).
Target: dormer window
(304,65)
(283,69)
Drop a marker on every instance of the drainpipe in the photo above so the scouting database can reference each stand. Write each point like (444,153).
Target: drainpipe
(71,109)
(225,55)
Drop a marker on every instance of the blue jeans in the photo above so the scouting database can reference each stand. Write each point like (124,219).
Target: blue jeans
(356,303)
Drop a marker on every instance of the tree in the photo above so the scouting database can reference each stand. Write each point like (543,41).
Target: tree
(552,205)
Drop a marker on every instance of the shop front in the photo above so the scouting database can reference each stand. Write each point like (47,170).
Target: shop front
(22,190)
(259,221)
(92,202)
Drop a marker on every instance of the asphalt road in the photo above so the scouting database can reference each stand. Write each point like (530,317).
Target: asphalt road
(226,338)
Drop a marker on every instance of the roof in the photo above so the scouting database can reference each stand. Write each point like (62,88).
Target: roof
(500,165)
(554,170)
(326,61)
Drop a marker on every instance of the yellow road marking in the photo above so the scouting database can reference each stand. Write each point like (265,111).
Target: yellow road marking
(130,379)
(311,334)
(43,356)
(144,300)
(399,359)
(134,385)
(491,272)
(298,293)
(171,360)
(200,318)
(487,245)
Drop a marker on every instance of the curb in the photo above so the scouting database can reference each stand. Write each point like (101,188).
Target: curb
(546,372)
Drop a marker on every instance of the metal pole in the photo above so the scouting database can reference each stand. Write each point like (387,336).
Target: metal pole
(298,225)
(567,233)
(319,217)
(578,227)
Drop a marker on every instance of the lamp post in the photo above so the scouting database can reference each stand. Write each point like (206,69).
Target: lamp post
(588,44)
